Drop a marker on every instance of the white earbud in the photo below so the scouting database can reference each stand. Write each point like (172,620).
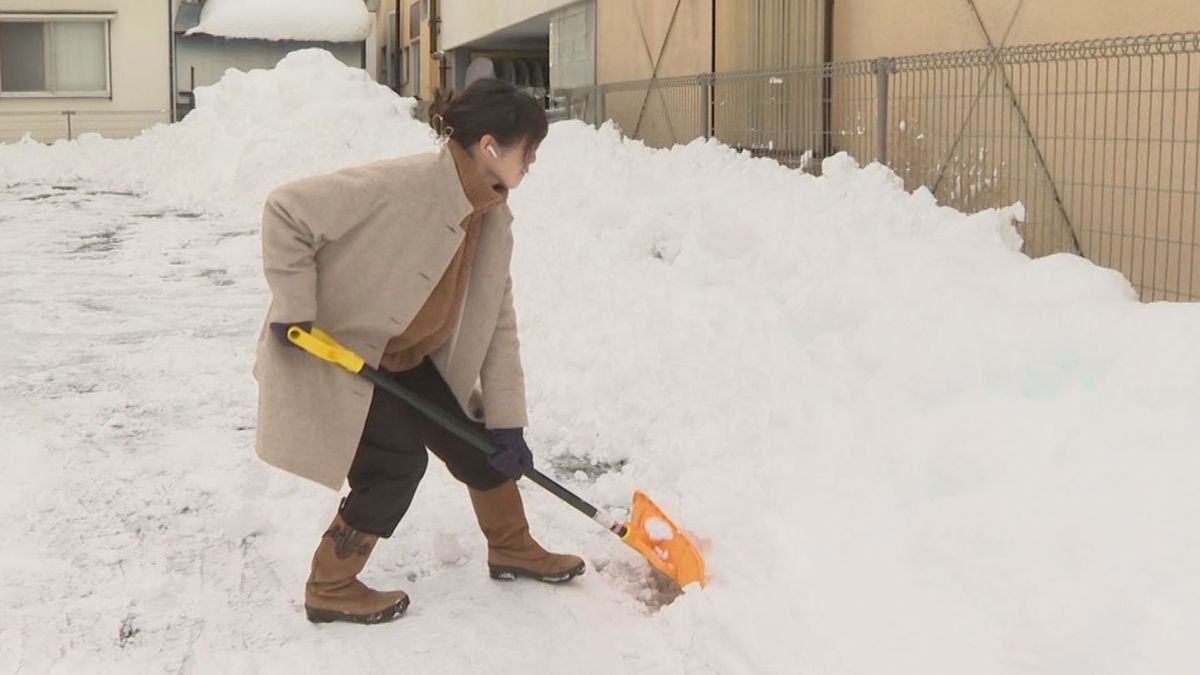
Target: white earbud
(492,151)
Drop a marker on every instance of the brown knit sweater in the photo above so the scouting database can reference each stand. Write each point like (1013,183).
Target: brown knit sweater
(434,322)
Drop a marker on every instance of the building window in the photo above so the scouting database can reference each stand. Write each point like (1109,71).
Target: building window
(65,57)
(414,20)
(392,54)
(414,60)
(573,46)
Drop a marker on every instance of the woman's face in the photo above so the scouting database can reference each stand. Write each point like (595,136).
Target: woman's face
(508,165)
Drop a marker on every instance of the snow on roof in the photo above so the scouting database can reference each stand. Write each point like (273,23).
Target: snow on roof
(318,20)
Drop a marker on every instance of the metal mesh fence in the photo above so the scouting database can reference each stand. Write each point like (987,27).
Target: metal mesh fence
(1099,140)
(661,112)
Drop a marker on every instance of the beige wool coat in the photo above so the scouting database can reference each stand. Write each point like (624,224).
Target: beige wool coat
(358,252)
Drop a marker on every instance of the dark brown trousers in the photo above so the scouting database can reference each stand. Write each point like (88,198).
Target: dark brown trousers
(392,456)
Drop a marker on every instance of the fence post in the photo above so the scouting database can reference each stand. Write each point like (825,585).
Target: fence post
(598,105)
(882,67)
(70,132)
(706,82)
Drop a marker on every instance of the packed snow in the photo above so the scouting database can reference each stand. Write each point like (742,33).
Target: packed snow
(318,20)
(658,529)
(903,446)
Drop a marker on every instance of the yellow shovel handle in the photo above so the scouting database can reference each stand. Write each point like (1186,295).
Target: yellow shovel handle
(321,345)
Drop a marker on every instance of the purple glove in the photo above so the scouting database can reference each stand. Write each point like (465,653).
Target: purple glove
(280,328)
(513,457)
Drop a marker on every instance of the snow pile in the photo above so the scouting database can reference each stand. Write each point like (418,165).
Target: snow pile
(319,20)
(249,133)
(904,446)
(910,448)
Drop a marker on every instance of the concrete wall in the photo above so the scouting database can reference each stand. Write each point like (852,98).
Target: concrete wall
(140,72)
(464,21)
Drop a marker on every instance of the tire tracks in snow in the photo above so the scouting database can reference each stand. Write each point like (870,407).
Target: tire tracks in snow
(93,291)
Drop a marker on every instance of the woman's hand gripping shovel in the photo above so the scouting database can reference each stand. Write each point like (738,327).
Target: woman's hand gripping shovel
(649,531)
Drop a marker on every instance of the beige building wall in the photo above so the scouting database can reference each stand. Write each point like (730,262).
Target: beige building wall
(645,39)
(768,34)
(640,39)
(430,69)
(869,28)
(382,30)
(140,76)
(664,39)
(776,115)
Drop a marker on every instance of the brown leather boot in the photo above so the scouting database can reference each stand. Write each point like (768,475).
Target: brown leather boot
(333,592)
(512,552)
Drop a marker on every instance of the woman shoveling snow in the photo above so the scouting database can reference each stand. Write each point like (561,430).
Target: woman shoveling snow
(406,261)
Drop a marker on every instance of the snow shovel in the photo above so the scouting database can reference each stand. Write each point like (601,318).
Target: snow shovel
(649,531)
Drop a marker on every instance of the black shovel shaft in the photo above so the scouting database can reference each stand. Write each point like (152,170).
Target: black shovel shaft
(471,435)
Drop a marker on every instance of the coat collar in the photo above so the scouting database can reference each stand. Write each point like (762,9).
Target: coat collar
(480,191)
(457,205)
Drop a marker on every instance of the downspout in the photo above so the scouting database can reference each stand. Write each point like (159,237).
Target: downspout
(435,41)
(171,59)
(710,129)
(826,145)
(712,68)
(400,47)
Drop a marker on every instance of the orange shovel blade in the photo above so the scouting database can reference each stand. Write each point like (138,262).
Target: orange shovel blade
(651,533)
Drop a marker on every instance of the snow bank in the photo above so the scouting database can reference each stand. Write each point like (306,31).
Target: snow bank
(249,133)
(319,20)
(904,446)
(909,448)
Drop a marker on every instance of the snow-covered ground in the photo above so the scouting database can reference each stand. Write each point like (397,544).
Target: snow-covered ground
(904,446)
